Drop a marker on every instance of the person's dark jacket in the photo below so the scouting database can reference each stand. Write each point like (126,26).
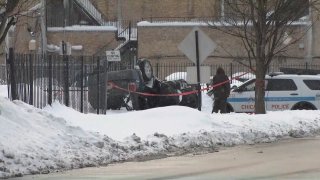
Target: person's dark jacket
(221,91)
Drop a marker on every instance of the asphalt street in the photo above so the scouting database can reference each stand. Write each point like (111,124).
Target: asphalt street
(286,159)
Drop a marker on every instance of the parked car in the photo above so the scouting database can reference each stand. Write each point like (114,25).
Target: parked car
(283,92)
(138,81)
(176,76)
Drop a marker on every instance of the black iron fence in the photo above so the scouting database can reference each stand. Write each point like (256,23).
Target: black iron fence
(178,70)
(3,75)
(40,80)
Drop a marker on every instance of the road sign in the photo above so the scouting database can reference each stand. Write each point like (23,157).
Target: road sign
(197,46)
(113,55)
(204,74)
(188,45)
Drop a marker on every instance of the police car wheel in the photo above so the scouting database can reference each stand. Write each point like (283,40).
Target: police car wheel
(304,106)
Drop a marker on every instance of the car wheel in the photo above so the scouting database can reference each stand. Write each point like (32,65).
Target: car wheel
(146,70)
(304,106)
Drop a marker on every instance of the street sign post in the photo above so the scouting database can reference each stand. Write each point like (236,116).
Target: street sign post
(205,44)
(197,46)
(112,56)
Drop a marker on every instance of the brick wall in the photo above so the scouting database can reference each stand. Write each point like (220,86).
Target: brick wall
(142,9)
(161,43)
(106,7)
(91,41)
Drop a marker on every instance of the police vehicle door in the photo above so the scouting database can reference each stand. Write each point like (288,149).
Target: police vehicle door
(242,98)
(280,94)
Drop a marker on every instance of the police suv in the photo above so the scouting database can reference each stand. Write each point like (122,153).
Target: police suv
(283,92)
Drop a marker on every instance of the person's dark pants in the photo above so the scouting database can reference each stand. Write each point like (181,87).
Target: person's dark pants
(220,104)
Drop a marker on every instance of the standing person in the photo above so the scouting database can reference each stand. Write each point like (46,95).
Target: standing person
(221,92)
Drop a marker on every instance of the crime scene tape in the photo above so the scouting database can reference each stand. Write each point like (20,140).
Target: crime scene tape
(113,85)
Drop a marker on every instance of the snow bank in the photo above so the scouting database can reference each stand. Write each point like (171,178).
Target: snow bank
(36,141)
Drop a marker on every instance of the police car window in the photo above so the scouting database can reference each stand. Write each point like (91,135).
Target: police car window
(281,85)
(312,84)
(248,86)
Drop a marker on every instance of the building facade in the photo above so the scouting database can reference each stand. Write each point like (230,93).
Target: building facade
(143,28)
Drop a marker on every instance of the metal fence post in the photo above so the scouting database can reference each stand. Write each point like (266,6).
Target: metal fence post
(105,84)
(13,83)
(231,72)
(98,86)
(66,74)
(25,77)
(81,82)
(31,78)
(157,68)
(50,81)
(130,47)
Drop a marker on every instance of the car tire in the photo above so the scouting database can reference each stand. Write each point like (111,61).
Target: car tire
(304,106)
(146,70)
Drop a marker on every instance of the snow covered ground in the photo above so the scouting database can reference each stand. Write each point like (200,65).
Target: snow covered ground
(34,141)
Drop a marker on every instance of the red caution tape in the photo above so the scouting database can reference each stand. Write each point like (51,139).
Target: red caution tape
(113,85)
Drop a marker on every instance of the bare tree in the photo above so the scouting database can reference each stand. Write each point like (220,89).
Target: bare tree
(9,11)
(263,27)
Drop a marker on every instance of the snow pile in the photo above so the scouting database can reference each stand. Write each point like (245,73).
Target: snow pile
(58,138)
(33,141)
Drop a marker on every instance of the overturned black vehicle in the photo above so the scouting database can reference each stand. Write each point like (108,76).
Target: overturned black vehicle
(138,89)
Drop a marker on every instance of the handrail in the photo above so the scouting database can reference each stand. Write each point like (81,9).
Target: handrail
(92,10)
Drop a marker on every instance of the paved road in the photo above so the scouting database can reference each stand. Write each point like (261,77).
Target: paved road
(288,159)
